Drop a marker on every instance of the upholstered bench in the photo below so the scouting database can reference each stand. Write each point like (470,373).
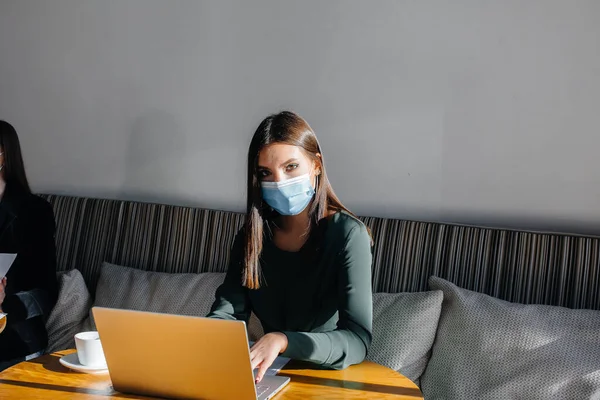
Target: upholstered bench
(465,312)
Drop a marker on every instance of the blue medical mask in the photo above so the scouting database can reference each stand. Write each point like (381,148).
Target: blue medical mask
(289,197)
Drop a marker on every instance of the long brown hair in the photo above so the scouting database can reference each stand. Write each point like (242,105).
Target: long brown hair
(288,128)
(14,168)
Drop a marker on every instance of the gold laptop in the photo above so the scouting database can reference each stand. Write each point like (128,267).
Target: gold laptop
(181,357)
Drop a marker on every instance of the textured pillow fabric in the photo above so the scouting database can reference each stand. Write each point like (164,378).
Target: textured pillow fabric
(488,348)
(255,329)
(134,289)
(404,326)
(70,311)
(182,294)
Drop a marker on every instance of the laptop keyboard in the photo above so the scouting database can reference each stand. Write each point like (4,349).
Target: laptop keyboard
(261,389)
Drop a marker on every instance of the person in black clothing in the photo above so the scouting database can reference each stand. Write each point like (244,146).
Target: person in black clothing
(29,291)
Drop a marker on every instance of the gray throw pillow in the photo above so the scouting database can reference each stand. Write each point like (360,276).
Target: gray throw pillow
(70,311)
(488,348)
(255,329)
(169,293)
(134,289)
(404,326)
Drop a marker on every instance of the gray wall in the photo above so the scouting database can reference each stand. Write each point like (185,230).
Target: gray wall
(482,112)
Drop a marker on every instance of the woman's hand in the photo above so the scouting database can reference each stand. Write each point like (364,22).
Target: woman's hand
(2,291)
(265,351)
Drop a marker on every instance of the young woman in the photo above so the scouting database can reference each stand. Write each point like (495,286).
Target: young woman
(302,262)
(28,291)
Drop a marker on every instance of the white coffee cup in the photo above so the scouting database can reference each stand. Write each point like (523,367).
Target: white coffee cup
(89,349)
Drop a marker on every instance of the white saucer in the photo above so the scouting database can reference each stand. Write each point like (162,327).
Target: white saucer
(72,361)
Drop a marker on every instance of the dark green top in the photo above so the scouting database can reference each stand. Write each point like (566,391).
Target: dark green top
(320,298)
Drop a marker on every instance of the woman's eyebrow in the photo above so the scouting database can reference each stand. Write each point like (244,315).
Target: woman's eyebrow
(288,161)
(282,165)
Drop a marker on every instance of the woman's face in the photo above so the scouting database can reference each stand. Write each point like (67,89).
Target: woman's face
(278,162)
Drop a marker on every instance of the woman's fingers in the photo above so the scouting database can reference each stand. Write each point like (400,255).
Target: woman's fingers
(257,355)
(264,352)
(264,366)
(256,360)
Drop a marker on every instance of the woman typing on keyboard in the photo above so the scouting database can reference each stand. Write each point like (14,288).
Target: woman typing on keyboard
(302,261)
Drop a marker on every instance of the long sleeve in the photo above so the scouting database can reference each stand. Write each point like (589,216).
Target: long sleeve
(231,298)
(349,343)
(44,240)
(32,286)
(40,289)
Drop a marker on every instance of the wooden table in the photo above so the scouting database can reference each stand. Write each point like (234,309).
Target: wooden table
(46,378)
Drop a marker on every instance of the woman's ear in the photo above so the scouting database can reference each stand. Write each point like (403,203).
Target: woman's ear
(318,164)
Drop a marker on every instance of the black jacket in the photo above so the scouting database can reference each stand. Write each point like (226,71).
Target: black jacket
(27,228)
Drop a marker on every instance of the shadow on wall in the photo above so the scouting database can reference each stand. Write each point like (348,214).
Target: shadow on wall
(520,221)
(154,163)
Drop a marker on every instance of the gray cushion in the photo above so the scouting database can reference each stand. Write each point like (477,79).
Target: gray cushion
(134,289)
(70,310)
(404,326)
(255,329)
(492,349)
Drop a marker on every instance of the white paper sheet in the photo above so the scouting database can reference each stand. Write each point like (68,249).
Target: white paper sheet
(6,260)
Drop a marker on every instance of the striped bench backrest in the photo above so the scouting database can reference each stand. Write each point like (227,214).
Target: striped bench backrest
(516,266)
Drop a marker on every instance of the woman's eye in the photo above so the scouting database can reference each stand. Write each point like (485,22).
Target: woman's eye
(263,173)
(291,167)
